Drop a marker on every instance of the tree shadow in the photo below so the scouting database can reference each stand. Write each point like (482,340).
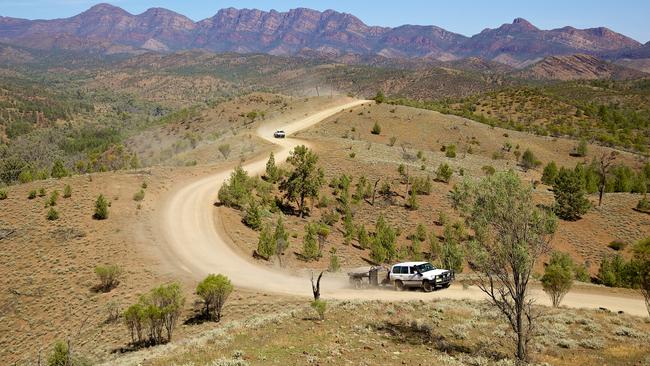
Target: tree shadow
(198,318)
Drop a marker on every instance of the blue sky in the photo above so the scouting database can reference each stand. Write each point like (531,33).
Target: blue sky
(630,17)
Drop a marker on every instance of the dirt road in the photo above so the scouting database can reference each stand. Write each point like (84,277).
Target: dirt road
(193,244)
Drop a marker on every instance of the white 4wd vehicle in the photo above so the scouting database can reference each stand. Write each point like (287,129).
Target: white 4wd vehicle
(419,274)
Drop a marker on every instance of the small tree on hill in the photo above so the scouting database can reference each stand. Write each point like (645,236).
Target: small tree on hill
(101,208)
(363,237)
(511,233)
(379,97)
(570,200)
(253,216)
(281,238)
(558,277)
(272,172)
(214,291)
(224,149)
(309,245)
(528,160)
(306,178)
(58,170)
(581,149)
(549,174)
(376,129)
(236,191)
(383,247)
(67,191)
(444,173)
(451,254)
(604,164)
(109,276)
(266,244)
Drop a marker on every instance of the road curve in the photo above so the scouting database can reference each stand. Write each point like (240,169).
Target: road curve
(192,244)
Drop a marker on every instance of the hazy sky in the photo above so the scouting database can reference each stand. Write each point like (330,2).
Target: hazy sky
(630,17)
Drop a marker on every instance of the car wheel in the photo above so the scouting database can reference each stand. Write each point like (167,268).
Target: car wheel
(399,285)
(427,286)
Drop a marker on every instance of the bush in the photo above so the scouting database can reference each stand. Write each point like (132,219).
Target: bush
(67,191)
(450,151)
(452,255)
(549,174)
(617,245)
(580,149)
(444,173)
(59,355)
(412,201)
(379,97)
(134,319)
(101,208)
(58,170)
(529,161)
(643,205)
(139,196)
(52,214)
(570,200)
(214,291)
(224,149)
(236,191)
(266,243)
(54,197)
(376,129)
(3,194)
(363,237)
(383,247)
(488,169)
(392,141)
(272,172)
(253,215)
(310,248)
(144,185)
(41,192)
(162,308)
(558,277)
(109,276)
(334,266)
(320,306)
(616,272)
(32,194)
(641,262)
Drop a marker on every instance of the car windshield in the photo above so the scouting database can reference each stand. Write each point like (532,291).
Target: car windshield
(425,267)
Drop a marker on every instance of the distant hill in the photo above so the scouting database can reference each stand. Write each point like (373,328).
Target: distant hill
(109,29)
(577,67)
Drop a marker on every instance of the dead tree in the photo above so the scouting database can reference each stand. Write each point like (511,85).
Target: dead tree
(315,287)
(374,192)
(605,162)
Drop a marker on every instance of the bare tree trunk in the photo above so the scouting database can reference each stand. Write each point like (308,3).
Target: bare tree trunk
(374,192)
(315,287)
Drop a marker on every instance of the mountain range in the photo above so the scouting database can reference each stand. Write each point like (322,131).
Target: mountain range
(109,29)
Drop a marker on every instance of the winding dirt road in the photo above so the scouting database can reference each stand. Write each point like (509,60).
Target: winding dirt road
(193,245)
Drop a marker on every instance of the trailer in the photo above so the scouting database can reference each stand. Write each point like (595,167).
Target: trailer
(364,277)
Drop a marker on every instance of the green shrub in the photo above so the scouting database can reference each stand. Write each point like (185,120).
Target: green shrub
(570,200)
(214,291)
(643,205)
(52,214)
(54,197)
(529,161)
(41,192)
(32,194)
(320,306)
(144,185)
(488,169)
(617,245)
(580,149)
(310,248)
(376,129)
(334,266)
(253,215)
(138,196)
(237,190)
(550,173)
(266,243)
(109,276)
(58,170)
(412,201)
(363,237)
(392,141)
(452,255)
(59,355)
(379,97)
(101,208)
(444,173)
(558,277)
(3,194)
(67,191)
(450,151)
